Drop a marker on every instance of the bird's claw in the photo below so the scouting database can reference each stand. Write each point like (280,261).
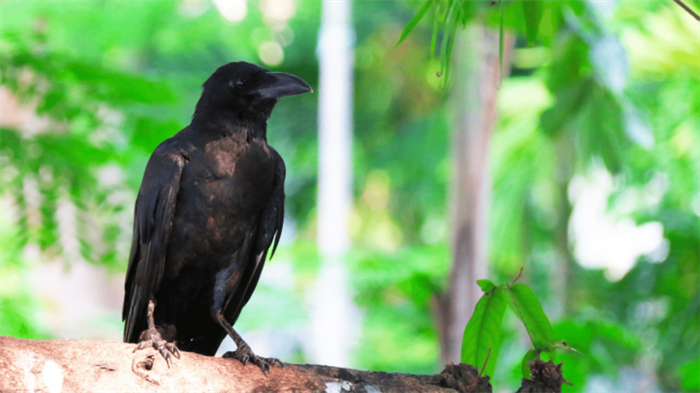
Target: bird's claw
(246,354)
(264,364)
(273,361)
(241,356)
(166,349)
(172,348)
(166,355)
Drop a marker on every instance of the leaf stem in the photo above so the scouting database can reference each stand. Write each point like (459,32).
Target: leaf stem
(485,361)
(475,382)
(516,278)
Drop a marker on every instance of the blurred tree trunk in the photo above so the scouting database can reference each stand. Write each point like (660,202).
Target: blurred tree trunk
(333,315)
(562,278)
(476,81)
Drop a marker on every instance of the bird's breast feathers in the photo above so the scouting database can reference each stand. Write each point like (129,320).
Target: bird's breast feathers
(223,154)
(230,173)
(227,154)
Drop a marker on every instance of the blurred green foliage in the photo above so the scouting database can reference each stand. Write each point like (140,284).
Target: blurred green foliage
(111,80)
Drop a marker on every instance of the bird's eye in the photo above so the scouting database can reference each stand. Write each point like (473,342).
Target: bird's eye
(241,83)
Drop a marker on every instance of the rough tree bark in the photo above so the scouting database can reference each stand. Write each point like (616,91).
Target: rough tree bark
(107,366)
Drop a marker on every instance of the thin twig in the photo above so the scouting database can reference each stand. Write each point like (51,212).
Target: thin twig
(687,9)
(516,278)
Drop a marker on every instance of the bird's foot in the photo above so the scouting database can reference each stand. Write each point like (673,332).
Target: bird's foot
(152,337)
(166,349)
(245,354)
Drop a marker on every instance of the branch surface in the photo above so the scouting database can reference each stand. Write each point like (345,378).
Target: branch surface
(100,366)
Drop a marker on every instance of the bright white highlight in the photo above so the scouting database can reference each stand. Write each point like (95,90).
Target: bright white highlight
(280,11)
(52,376)
(605,238)
(232,10)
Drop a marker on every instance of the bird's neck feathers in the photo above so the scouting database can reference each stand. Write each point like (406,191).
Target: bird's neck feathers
(219,124)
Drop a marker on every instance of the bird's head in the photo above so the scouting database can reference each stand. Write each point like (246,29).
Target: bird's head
(247,91)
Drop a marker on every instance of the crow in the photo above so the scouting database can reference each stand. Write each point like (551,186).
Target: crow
(210,206)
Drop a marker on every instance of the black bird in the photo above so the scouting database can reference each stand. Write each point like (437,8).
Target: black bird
(211,205)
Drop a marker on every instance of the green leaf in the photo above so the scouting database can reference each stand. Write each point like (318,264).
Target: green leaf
(563,345)
(485,285)
(433,39)
(447,41)
(524,367)
(690,378)
(414,21)
(452,36)
(483,331)
(533,15)
(570,62)
(469,11)
(529,310)
(601,129)
(442,9)
(569,101)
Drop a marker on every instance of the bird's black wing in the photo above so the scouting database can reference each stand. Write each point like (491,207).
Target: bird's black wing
(153,215)
(268,234)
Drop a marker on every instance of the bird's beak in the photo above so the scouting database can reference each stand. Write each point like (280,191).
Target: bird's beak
(279,84)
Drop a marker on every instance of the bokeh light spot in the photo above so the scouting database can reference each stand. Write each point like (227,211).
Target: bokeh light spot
(271,53)
(232,10)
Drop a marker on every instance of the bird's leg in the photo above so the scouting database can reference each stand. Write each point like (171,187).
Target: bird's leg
(243,352)
(152,337)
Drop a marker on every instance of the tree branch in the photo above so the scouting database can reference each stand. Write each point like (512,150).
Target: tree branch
(687,9)
(100,365)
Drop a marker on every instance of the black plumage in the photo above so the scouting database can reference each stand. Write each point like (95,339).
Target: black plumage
(211,205)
